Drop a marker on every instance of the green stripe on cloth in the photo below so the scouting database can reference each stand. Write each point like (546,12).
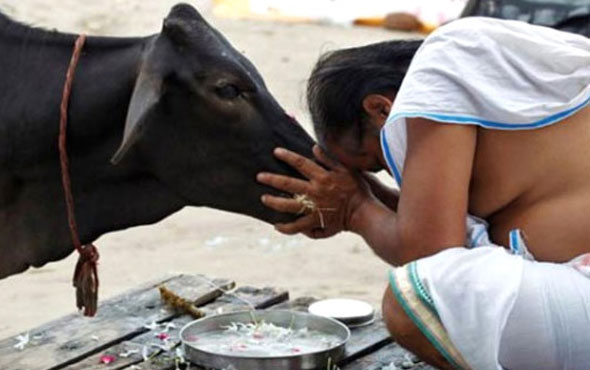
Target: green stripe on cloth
(419,288)
(424,316)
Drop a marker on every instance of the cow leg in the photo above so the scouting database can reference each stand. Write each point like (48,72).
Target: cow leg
(406,333)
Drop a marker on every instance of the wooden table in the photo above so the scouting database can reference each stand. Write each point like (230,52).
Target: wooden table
(122,329)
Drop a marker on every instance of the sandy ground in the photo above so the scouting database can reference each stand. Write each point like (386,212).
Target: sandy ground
(199,240)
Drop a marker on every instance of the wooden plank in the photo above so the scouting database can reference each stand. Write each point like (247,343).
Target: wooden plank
(165,359)
(392,356)
(297,304)
(73,337)
(260,298)
(366,339)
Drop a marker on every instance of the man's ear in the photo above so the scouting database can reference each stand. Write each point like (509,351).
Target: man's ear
(377,106)
(144,100)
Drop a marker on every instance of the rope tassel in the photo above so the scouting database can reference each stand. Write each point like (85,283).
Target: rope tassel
(86,274)
(86,280)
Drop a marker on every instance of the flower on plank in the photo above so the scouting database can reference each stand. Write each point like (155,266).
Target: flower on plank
(179,359)
(145,354)
(167,346)
(163,336)
(151,326)
(128,353)
(169,326)
(180,355)
(107,359)
(23,340)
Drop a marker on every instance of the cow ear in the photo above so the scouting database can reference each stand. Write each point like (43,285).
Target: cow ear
(144,100)
(177,30)
(181,23)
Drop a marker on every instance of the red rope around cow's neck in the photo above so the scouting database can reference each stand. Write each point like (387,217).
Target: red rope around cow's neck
(85,275)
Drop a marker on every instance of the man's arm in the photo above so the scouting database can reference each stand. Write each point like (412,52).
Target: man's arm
(388,196)
(433,201)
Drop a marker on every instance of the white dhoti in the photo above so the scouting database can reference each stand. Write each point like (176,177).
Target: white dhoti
(497,310)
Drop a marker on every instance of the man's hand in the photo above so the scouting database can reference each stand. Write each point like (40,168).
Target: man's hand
(327,200)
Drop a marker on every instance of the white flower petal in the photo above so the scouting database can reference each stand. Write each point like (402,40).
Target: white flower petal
(145,353)
(23,340)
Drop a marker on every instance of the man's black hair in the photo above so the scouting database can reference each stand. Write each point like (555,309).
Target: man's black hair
(341,79)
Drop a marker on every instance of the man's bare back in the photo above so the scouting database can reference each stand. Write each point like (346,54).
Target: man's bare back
(538,181)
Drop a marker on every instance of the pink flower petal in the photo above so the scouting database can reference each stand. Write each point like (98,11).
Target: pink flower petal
(107,359)
(163,336)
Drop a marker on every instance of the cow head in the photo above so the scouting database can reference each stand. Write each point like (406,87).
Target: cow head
(202,120)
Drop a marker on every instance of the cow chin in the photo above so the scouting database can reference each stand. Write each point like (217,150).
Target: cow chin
(248,204)
(253,207)
(269,216)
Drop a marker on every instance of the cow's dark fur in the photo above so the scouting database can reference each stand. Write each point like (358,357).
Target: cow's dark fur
(186,142)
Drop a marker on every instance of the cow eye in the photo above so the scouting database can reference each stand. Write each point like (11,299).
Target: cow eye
(228,91)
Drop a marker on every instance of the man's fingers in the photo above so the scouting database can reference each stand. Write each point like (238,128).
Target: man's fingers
(305,223)
(310,234)
(305,166)
(284,183)
(280,204)
(324,159)
(316,233)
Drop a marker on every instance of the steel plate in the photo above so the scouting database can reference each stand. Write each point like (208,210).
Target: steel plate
(284,318)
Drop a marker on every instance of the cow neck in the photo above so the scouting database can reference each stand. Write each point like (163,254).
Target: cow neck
(85,275)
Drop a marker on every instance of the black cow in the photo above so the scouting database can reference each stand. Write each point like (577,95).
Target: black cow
(155,124)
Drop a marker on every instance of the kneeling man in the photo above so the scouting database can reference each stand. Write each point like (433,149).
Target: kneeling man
(485,125)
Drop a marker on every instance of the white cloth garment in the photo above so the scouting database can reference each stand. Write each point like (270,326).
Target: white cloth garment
(502,311)
(549,325)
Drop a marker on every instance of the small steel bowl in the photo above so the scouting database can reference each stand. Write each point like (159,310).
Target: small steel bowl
(352,312)
(285,318)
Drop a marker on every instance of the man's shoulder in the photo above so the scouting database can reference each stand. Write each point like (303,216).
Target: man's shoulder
(481,28)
